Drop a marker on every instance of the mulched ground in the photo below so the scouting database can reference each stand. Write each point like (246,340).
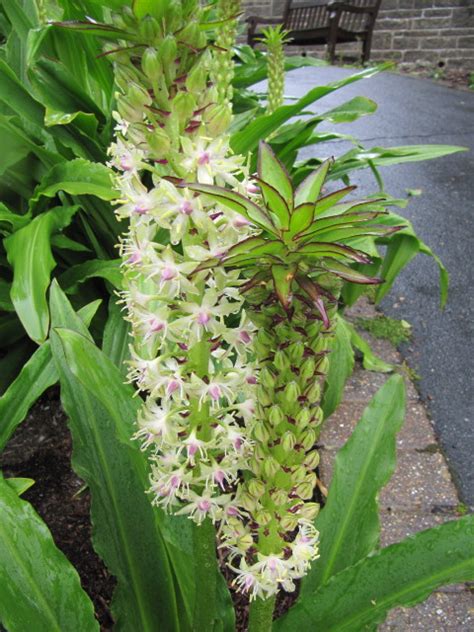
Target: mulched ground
(41,449)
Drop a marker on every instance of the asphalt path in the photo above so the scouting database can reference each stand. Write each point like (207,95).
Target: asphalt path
(416,111)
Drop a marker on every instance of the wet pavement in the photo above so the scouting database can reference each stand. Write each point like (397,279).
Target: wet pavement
(417,111)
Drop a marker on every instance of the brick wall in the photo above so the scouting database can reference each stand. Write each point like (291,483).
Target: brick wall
(415,33)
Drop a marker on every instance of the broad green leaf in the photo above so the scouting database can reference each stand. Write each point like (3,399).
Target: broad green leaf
(102,411)
(247,139)
(349,523)
(301,218)
(29,254)
(310,188)
(39,588)
(341,365)
(275,204)
(20,485)
(237,203)
(116,341)
(271,171)
(37,375)
(370,361)
(350,111)
(108,270)
(403,574)
(255,70)
(349,274)
(15,221)
(282,280)
(384,156)
(15,96)
(77,177)
(400,251)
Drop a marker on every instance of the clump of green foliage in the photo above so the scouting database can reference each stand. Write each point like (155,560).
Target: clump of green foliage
(391,329)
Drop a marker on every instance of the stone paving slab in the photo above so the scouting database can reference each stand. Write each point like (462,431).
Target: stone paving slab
(420,495)
(416,433)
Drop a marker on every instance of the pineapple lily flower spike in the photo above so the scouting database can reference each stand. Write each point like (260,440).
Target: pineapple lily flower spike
(294,264)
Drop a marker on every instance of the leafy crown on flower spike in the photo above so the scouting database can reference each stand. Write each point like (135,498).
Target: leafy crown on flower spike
(302,232)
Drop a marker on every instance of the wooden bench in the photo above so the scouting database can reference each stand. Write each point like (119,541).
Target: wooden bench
(331,23)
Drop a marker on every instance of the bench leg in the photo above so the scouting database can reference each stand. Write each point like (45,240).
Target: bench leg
(366,46)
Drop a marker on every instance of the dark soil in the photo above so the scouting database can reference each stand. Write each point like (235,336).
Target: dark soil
(41,449)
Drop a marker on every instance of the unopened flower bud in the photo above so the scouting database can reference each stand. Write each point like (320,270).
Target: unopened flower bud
(292,392)
(317,416)
(244,542)
(323,365)
(247,501)
(266,378)
(308,368)
(281,361)
(289,522)
(260,432)
(279,497)
(313,394)
(263,396)
(312,459)
(196,79)
(183,106)
(305,490)
(275,415)
(168,51)
(271,466)
(288,441)
(309,511)
(302,418)
(295,352)
(309,439)
(218,119)
(298,474)
(151,65)
(149,29)
(263,517)
(128,111)
(159,142)
(256,487)
(137,96)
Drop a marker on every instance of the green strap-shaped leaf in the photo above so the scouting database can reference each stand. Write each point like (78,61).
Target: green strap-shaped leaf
(341,364)
(77,177)
(38,374)
(108,269)
(309,189)
(247,139)
(349,274)
(400,251)
(272,171)
(237,203)
(39,588)
(29,253)
(403,574)
(116,344)
(349,523)
(102,411)
(370,361)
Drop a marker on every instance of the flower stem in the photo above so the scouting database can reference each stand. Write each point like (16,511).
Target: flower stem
(206,574)
(261,614)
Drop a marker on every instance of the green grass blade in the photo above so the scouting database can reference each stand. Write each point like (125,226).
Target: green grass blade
(403,574)
(39,588)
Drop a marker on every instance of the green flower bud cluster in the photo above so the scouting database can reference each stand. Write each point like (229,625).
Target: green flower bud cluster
(274,39)
(291,352)
(223,68)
